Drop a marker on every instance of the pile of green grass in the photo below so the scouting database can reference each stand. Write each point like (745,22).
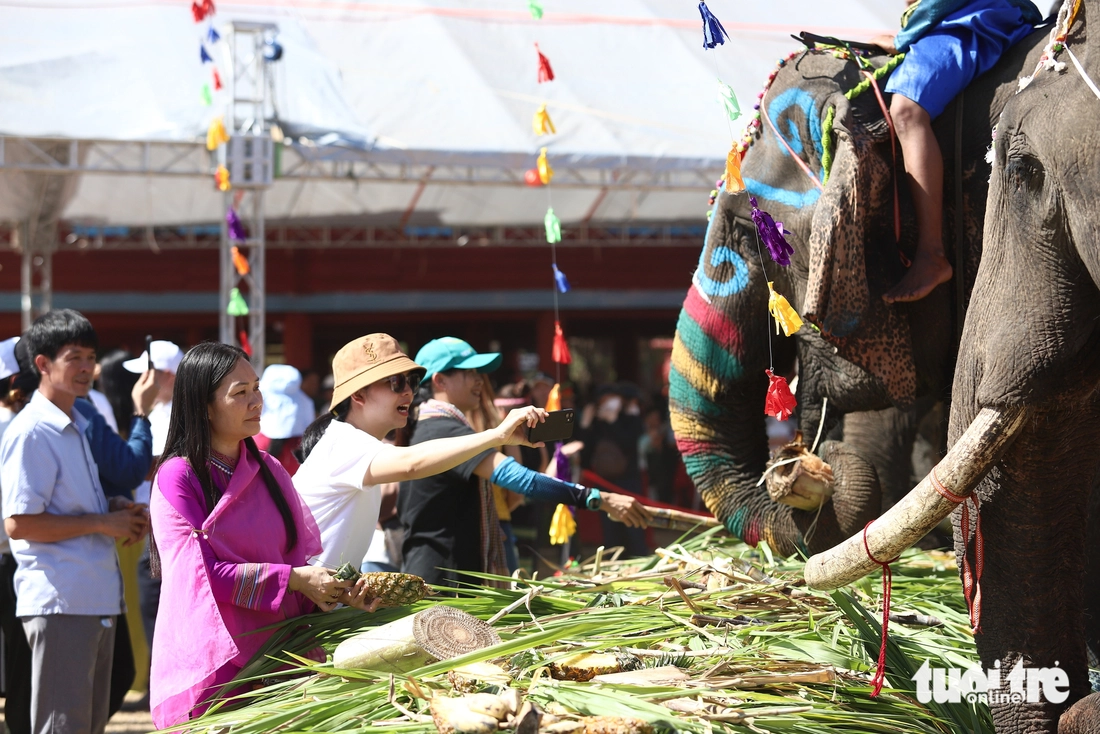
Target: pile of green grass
(791,636)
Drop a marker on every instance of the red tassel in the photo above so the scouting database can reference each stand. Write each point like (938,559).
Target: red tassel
(197,12)
(208,7)
(560,352)
(779,402)
(245,344)
(217,80)
(546,74)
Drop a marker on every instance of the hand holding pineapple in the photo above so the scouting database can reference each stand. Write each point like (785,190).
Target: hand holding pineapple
(359,596)
(513,429)
(381,589)
(319,585)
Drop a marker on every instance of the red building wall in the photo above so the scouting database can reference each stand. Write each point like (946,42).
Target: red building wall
(134,292)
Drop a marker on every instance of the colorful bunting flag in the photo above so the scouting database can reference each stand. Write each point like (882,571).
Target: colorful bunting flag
(546,73)
(728,100)
(779,402)
(542,124)
(560,280)
(713,32)
(545,171)
(560,352)
(237,305)
(785,316)
(553,227)
(221,179)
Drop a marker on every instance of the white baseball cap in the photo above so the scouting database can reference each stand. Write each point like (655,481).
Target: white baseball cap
(166,357)
(9,365)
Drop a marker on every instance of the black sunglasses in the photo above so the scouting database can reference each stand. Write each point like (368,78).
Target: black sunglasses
(399,382)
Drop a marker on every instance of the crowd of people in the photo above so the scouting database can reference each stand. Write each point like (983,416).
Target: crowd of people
(246,501)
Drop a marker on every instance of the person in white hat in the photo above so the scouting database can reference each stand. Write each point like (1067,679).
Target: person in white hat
(286,414)
(166,357)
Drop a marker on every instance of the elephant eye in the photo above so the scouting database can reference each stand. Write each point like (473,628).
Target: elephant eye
(1024,173)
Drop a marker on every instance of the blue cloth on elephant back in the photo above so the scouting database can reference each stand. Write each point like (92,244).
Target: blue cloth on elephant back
(964,44)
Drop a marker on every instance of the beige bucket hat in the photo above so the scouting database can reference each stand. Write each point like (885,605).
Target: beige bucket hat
(364,362)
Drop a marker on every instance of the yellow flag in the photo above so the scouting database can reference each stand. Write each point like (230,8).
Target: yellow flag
(733,172)
(545,171)
(216,134)
(542,122)
(563,526)
(785,316)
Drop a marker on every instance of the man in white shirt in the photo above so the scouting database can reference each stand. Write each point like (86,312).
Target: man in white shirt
(62,529)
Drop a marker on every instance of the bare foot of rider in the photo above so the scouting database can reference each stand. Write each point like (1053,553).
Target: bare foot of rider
(927,271)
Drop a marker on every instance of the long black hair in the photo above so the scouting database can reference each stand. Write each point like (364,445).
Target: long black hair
(202,370)
(317,428)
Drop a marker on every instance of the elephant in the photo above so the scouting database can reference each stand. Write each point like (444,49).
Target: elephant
(1025,404)
(821,161)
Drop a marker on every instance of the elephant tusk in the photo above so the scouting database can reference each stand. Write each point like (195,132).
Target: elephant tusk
(966,464)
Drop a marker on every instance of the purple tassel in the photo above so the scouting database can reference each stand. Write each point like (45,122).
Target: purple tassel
(562,468)
(236,229)
(203,56)
(713,32)
(772,234)
(560,279)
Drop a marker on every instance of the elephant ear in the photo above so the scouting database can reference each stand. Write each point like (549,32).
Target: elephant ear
(852,235)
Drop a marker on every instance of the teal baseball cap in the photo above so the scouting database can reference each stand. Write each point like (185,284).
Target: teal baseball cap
(450,353)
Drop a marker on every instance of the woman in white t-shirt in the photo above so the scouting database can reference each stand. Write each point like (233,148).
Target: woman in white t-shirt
(344,459)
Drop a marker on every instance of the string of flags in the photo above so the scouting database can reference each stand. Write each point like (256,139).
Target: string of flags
(563,525)
(216,133)
(779,401)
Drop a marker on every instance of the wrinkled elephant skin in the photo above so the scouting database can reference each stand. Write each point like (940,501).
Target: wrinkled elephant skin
(876,364)
(1031,338)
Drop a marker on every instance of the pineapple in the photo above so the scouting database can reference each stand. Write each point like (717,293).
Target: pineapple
(394,589)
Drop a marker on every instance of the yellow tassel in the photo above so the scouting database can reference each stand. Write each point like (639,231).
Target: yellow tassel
(563,526)
(216,134)
(733,172)
(542,123)
(545,171)
(553,401)
(785,316)
(221,178)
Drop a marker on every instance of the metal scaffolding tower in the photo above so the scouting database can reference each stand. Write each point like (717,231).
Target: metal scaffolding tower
(249,158)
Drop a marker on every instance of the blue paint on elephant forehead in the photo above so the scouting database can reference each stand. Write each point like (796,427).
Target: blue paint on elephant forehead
(719,256)
(800,98)
(786,197)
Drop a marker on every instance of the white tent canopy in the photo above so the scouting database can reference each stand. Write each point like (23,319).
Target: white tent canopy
(428,89)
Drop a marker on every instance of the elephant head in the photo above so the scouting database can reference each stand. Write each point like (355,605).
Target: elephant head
(1026,401)
(857,354)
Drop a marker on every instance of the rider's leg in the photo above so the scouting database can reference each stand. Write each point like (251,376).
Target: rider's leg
(924,168)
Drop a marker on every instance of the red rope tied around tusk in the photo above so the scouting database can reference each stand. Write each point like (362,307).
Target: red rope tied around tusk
(887,577)
(971,577)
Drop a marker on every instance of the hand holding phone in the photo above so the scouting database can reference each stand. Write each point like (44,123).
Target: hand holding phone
(149,351)
(558,426)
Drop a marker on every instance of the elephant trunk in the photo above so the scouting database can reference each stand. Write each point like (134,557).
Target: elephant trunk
(966,464)
(716,403)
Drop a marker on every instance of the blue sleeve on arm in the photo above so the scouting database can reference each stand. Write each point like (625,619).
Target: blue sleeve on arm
(518,478)
(122,464)
(920,19)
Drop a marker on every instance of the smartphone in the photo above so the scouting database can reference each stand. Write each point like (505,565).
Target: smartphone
(149,352)
(558,427)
